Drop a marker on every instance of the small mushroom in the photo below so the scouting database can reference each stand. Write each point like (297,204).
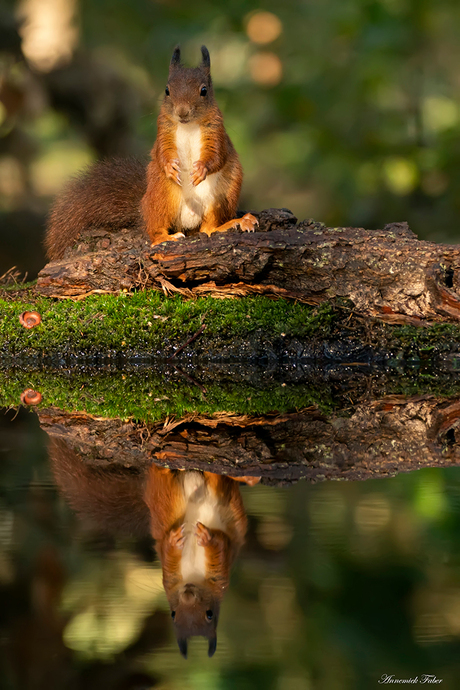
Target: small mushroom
(31,397)
(29,319)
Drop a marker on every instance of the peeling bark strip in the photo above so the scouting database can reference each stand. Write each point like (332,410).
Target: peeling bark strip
(380,439)
(386,273)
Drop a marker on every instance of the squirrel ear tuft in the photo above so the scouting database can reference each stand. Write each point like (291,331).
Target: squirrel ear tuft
(175,60)
(206,62)
(182,642)
(212,646)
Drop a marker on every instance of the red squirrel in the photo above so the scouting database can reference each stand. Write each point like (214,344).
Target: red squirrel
(199,523)
(197,520)
(192,182)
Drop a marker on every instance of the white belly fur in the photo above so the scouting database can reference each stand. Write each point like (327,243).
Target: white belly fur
(201,506)
(195,200)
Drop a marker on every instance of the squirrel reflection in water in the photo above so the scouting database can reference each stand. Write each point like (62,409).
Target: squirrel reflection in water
(197,520)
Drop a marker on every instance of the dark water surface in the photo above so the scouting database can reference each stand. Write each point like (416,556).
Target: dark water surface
(338,584)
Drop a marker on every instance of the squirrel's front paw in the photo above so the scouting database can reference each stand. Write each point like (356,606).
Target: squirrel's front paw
(247,479)
(199,173)
(176,537)
(203,535)
(172,171)
(248,222)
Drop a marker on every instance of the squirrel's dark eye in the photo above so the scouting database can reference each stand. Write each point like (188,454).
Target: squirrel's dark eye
(167,90)
(173,614)
(209,615)
(203,91)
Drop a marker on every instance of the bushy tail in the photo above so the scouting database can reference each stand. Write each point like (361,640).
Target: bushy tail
(110,500)
(107,195)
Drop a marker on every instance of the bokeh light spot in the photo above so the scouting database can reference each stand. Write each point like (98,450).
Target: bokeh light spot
(50,171)
(49,32)
(263,27)
(266,69)
(11,178)
(440,113)
(401,175)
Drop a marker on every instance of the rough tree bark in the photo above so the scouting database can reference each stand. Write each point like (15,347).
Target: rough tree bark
(379,439)
(385,273)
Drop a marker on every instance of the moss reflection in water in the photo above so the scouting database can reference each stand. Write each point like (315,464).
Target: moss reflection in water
(152,395)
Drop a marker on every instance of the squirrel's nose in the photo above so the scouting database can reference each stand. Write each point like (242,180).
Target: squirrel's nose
(188,597)
(183,113)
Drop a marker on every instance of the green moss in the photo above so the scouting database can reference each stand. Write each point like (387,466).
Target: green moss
(151,324)
(144,321)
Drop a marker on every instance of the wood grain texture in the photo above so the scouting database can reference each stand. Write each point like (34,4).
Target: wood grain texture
(388,273)
(380,438)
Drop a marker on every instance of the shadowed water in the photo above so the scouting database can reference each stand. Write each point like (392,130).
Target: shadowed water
(338,584)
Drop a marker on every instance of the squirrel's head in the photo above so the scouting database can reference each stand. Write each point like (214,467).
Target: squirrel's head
(189,91)
(195,611)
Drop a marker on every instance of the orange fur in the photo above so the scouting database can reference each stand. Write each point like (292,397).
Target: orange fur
(106,196)
(121,193)
(157,500)
(191,601)
(161,203)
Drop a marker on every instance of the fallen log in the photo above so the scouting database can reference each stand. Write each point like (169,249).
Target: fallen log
(388,273)
(378,439)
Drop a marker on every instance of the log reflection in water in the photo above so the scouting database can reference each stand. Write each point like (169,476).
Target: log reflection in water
(109,471)
(375,439)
